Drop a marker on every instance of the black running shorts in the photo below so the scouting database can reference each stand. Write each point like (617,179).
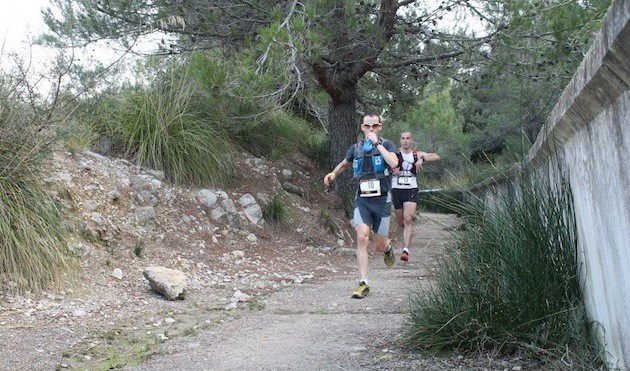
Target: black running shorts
(400,196)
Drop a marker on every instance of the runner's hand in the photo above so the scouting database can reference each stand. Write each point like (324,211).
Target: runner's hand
(419,164)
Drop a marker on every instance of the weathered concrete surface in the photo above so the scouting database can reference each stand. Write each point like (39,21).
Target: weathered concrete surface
(587,137)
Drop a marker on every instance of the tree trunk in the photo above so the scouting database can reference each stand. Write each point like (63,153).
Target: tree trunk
(339,72)
(342,132)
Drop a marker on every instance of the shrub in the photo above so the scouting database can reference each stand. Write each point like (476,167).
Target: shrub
(160,128)
(510,282)
(245,110)
(276,210)
(32,246)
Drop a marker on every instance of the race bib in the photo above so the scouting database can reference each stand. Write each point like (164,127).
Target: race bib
(370,188)
(404,180)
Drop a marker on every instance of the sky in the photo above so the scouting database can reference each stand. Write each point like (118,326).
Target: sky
(19,21)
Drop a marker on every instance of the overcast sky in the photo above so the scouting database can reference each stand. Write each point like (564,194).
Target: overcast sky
(20,21)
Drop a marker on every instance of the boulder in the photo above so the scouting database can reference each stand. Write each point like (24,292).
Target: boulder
(171,283)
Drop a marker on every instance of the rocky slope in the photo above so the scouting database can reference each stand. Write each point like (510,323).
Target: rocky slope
(123,218)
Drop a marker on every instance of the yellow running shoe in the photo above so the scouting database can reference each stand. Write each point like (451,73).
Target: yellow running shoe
(389,257)
(362,291)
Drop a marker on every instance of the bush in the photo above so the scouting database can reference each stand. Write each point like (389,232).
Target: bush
(159,128)
(509,283)
(440,201)
(245,111)
(276,211)
(32,246)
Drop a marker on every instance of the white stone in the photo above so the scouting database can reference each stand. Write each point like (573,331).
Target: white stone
(240,296)
(98,219)
(117,273)
(144,213)
(207,197)
(238,254)
(171,283)
(287,174)
(65,177)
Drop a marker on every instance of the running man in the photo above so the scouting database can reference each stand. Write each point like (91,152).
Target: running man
(405,186)
(371,161)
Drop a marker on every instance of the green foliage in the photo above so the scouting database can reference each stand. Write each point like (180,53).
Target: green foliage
(347,204)
(248,112)
(158,126)
(510,62)
(276,210)
(33,253)
(440,201)
(506,97)
(510,282)
(138,248)
(436,127)
(75,136)
(314,144)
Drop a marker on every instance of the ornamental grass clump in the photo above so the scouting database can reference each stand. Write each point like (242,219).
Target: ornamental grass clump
(33,251)
(158,126)
(510,282)
(276,211)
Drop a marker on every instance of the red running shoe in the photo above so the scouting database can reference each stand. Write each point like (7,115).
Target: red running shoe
(404,256)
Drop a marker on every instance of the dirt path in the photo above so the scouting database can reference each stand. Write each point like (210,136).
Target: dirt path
(318,326)
(307,322)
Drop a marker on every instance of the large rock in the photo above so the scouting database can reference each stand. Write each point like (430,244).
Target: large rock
(207,197)
(169,282)
(252,210)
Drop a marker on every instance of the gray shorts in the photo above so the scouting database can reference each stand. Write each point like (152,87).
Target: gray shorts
(373,211)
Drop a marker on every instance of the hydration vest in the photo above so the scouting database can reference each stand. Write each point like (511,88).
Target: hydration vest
(400,160)
(370,163)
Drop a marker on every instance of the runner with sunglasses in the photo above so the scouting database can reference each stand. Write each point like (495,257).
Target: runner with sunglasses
(372,160)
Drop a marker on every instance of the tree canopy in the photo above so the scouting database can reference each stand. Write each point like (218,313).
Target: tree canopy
(509,60)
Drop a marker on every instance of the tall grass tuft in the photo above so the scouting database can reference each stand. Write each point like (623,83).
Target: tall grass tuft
(159,127)
(510,282)
(32,246)
(276,211)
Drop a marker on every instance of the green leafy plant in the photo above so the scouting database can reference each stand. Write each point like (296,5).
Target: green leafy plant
(510,282)
(276,210)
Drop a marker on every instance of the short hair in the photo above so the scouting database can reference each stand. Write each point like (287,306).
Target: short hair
(372,114)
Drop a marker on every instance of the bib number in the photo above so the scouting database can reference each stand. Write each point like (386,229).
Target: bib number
(370,188)
(404,180)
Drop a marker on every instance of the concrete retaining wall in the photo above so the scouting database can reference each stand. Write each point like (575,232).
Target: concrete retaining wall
(587,135)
